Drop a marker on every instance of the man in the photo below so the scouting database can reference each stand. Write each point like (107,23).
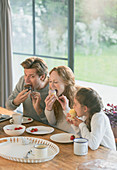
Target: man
(35,76)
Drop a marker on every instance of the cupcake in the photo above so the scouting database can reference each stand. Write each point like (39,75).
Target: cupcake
(28,86)
(72,114)
(53,92)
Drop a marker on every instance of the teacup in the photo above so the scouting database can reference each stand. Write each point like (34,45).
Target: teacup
(17,118)
(40,150)
(80,146)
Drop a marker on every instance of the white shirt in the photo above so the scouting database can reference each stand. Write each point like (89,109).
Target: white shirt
(101,132)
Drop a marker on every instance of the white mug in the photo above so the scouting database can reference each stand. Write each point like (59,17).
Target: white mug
(80,146)
(17,118)
(40,150)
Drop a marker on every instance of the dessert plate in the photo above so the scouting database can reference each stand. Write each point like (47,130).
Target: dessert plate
(27,120)
(14,148)
(39,130)
(62,138)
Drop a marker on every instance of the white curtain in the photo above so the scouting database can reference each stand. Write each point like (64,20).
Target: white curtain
(5,52)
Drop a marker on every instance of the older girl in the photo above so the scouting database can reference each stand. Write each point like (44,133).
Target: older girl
(61,80)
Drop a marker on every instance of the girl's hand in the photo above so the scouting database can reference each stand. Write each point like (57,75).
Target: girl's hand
(77,121)
(21,97)
(49,101)
(36,99)
(64,102)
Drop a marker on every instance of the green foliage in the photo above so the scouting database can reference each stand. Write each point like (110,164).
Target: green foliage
(88,10)
(100,69)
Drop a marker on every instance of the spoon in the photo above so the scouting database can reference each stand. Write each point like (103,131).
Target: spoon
(27,155)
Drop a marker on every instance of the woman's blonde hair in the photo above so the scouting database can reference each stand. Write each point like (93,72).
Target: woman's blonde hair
(37,63)
(90,98)
(68,78)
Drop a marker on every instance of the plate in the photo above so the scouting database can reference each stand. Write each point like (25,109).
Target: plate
(15,149)
(4,117)
(25,120)
(42,130)
(62,138)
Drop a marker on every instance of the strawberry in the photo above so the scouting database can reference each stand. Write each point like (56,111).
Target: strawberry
(72,137)
(34,130)
(16,128)
(29,118)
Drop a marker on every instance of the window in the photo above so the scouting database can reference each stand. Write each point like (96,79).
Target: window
(40,28)
(96,41)
(46,28)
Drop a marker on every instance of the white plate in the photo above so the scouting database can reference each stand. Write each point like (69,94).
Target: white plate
(4,117)
(25,120)
(62,138)
(13,148)
(42,130)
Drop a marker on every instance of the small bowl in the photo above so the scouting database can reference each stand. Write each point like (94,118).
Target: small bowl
(14,130)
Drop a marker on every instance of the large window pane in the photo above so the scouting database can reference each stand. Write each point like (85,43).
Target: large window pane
(22,26)
(96,41)
(52,28)
(40,28)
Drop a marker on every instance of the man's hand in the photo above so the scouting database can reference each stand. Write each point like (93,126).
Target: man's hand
(36,99)
(21,97)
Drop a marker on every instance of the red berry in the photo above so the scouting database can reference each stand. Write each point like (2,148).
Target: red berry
(32,130)
(29,118)
(16,128)
(35,129)
(72,137)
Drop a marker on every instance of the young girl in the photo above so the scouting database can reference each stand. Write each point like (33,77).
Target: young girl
(61,80)
(96,126)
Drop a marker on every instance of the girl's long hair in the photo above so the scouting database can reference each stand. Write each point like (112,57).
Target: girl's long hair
(68,78)
(90,98)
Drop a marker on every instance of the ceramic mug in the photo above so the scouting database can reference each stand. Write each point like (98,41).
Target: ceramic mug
(40,150)
(80,146)
(17,118)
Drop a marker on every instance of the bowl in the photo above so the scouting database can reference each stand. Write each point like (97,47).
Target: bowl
(14,130)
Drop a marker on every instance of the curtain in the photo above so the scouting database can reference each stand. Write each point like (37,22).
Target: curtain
(5,52)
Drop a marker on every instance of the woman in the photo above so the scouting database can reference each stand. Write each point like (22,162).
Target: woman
(96,125)
(61,80)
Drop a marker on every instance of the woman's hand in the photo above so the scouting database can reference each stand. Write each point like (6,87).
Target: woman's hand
(49,101)
(64,102)
(21,97)
(36,99)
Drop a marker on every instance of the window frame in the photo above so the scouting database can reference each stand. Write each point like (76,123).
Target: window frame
(70,36)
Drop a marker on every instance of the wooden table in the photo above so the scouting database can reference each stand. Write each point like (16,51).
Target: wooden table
(64,160)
